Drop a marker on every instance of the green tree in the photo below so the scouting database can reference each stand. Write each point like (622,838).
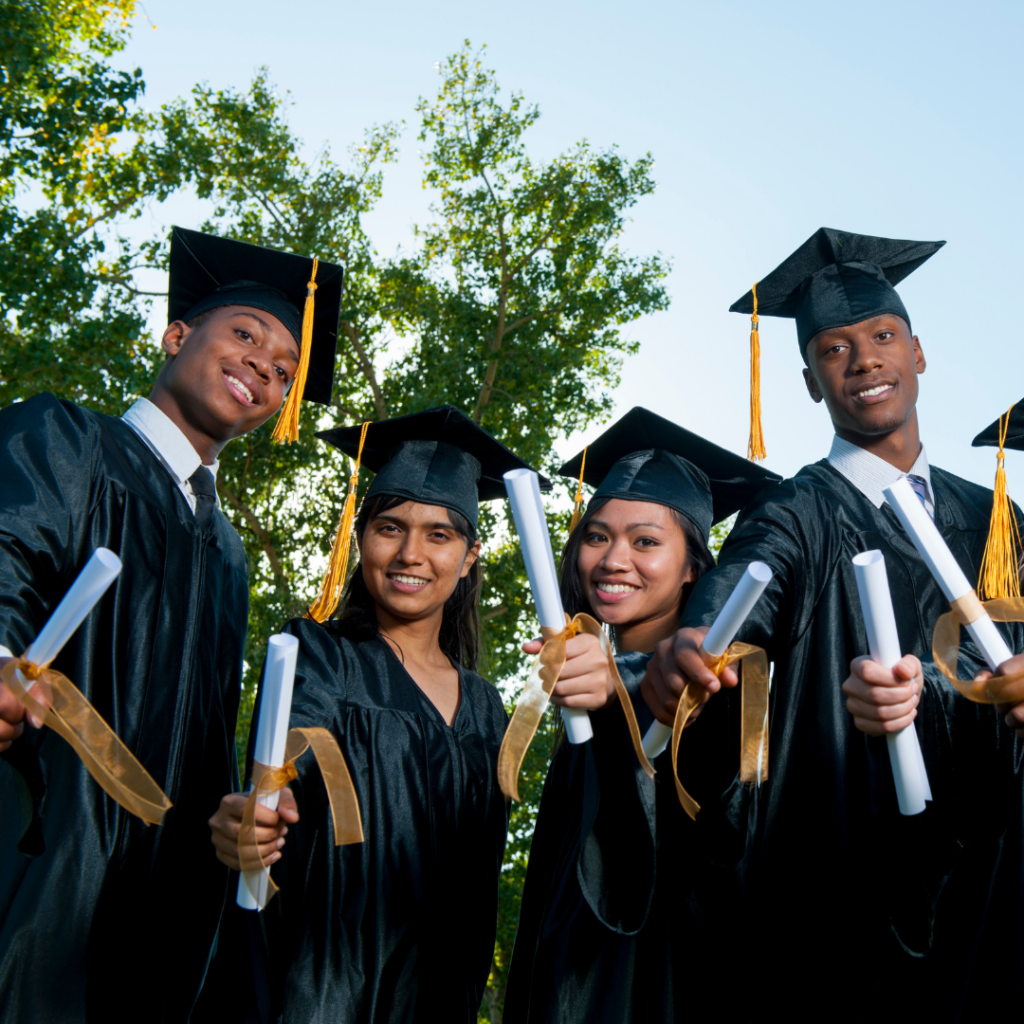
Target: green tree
(72,172)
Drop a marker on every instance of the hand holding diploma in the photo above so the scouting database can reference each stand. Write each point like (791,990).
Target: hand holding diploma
(53,700)
(531,524)
(1005,689)
(909,774)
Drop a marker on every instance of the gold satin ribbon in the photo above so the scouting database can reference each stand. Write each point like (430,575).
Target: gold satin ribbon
(266,779)
(946,647)
(753,716)
(535,696)
(64,709)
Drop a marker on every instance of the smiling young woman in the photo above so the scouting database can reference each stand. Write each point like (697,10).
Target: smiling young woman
(402,925)
(604,907)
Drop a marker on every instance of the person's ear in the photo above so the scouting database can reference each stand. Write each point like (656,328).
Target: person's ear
(920,363)
(472,554)
(812,385)
(174,337)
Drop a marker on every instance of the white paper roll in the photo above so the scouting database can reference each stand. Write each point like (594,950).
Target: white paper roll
(744,596)
(523,488)
(271,740)
(944,567)
(908,770)
(84,594)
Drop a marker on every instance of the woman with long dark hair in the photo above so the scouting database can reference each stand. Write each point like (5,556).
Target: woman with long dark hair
(399,927)
(608,903)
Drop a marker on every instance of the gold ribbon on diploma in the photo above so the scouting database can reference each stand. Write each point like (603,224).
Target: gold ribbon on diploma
(266,779)
(754,716)
(946,647)
(533,701)
(62,707)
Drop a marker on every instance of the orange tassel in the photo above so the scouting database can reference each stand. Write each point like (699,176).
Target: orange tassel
(755,444)
(578,508)
(337,568)
(999,574)
(287,426)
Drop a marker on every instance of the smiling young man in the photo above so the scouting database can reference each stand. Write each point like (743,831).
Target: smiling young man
(101,916)
(881,912)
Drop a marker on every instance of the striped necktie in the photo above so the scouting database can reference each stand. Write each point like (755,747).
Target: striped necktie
(920,488)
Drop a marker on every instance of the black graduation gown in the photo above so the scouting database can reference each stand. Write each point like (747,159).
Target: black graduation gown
(850,910)
(401,927)
(101,916)
(619,878)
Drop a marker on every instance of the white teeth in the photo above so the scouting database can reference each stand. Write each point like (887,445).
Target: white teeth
(616,588)
(875,391)
(399,578)
(241,387)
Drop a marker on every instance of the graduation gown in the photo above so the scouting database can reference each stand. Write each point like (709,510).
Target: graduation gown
(400,927)
(101,916)
(850,910)
(620,879)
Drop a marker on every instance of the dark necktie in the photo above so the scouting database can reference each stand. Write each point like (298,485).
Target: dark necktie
(206,496)
(920,488)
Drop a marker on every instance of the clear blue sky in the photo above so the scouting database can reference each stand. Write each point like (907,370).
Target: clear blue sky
(766,121)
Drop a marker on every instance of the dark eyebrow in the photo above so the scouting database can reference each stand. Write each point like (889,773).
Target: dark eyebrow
(294,353)
(630,528)
(405,525)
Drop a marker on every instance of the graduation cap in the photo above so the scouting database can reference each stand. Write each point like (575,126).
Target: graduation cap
(834,279)
(645,457)
(999,574)
(207,272)
(436,457)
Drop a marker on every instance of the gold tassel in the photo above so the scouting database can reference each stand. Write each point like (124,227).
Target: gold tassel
(579,495)
(337,569)
(287,426)
(755,444)
(999,565)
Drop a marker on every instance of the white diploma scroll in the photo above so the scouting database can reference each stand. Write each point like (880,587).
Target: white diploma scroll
(716,642)
(523,488)
(908,770)
(944,567)
(271,740)
(100,571)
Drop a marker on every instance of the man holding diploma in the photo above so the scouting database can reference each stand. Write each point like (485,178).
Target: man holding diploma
(101,916)
(884,910)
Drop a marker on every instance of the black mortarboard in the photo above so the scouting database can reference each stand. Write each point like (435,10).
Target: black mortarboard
(645,457)
(837,278)
(1000,564)
(438,457)
(207,272)
(834,279)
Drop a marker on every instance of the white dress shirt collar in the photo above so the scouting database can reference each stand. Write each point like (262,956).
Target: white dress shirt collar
(168,443)
(871,474)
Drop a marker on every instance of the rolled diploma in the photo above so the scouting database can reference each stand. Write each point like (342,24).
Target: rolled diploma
(523,488)
(271,740)
(908,770)
(723,631)
(84,594)
(944,567)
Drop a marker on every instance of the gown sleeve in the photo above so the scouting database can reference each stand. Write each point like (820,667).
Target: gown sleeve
(48,465)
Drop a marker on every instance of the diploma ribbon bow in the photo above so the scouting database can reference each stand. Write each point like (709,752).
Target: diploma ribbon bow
(1007,689)
(753,717)
(267,779)
(62,707)
(533,701)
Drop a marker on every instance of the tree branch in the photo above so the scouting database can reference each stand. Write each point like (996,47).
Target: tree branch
(499,330)
(260,531)
(380,406)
